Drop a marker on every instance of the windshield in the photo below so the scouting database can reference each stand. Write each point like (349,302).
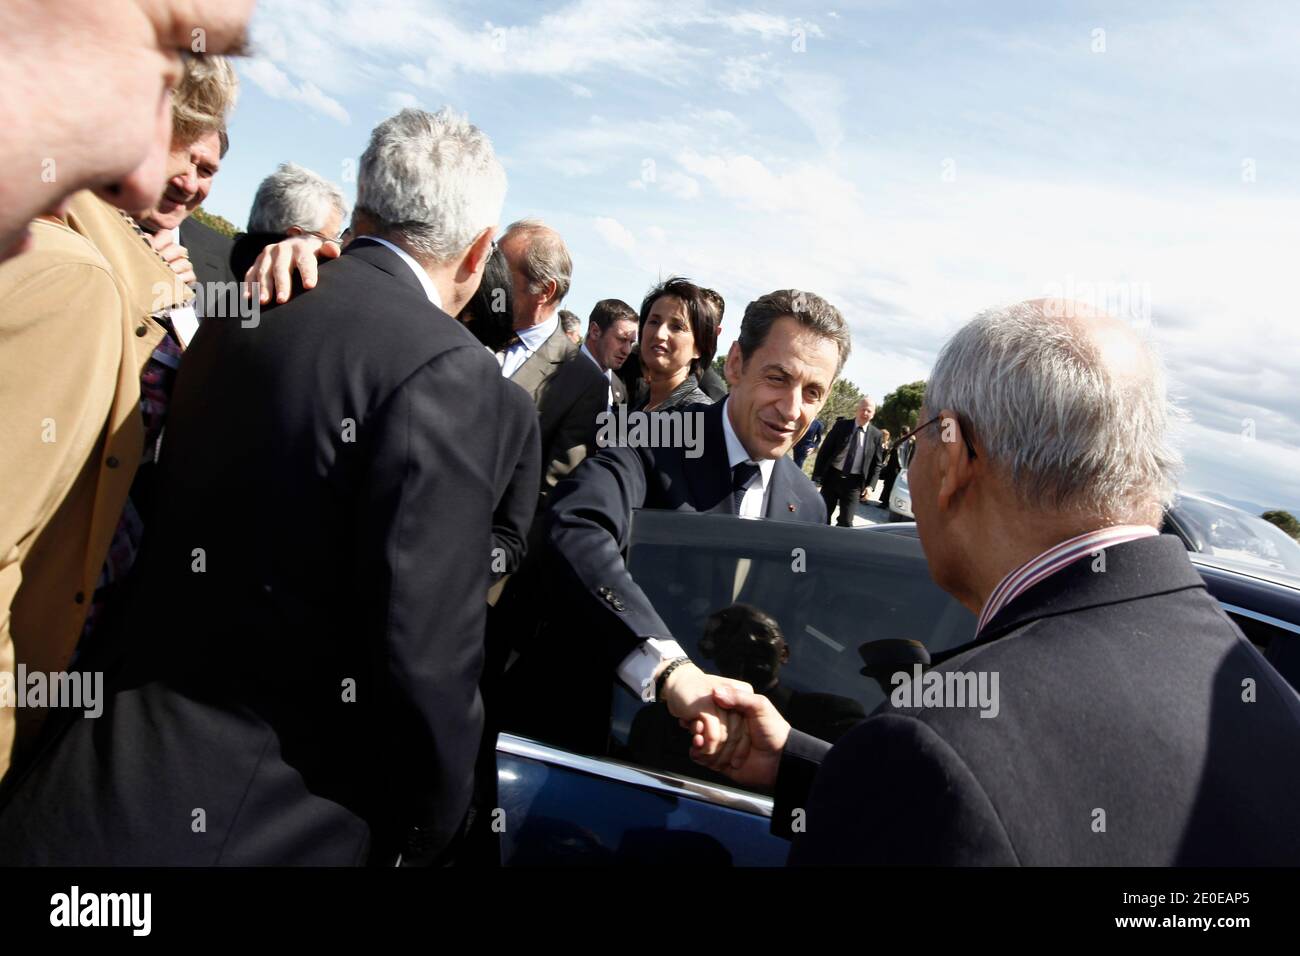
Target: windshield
(1236,536)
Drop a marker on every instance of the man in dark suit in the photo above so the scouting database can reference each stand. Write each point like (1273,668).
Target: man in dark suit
(812,438)
(791,347)
(849,462)
(295,680)
(711,383)
(610,341)
(1135,726)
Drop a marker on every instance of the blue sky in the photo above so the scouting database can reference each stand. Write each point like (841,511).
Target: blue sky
(914,163)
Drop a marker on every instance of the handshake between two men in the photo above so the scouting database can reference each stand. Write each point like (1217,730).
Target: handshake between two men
(735,731)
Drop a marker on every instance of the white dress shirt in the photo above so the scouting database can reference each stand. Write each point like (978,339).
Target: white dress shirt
(425,282)
(638,668)
(530,340)
(609,375)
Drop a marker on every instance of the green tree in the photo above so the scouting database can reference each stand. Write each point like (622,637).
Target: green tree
(1284,520)
(719,361)
(899,410)
(843,402)
(213,221)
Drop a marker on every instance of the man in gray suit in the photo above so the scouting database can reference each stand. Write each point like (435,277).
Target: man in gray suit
(568,394)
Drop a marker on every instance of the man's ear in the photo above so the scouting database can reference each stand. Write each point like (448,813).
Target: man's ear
(295,231)
(956,470)
(732,367)
(478,251)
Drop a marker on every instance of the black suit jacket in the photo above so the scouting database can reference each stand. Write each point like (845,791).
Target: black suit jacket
(589,523)
(1128,700)
(837,437)
(209,253)
(517,483)
(575,612)
(713,385)
(567,406)
(299,659)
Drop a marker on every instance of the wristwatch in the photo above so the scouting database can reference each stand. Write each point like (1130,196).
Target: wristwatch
(662,679)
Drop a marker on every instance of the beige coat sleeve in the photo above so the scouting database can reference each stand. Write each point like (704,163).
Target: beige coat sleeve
(58,367)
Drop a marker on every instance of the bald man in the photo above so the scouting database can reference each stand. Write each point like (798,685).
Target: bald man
(1110,713)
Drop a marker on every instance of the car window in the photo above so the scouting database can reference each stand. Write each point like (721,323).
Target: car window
(1236,536)
(732,592)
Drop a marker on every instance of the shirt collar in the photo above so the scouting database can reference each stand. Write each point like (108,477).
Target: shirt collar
(1054,559)
(736,451)
(425,282)
(535,336)
(584,350)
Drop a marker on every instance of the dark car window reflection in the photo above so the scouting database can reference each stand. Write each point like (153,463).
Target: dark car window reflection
(783,606)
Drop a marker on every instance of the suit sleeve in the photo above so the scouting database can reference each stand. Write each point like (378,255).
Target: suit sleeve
(60,347)
(802,757)
(892,791)
(573,436)
(517,503)
(588,529)
(426,526)
(877,460)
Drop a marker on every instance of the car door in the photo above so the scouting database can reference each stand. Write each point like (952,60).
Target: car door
(784,605)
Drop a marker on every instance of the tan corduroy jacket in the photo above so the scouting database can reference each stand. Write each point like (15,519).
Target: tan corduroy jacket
(76,330)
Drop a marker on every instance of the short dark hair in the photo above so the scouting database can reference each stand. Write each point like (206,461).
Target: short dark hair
(570,322)
(608,311)
(699,312)
(811,311)
(717,301)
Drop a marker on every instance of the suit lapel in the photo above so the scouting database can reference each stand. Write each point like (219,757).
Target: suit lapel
(542,364)
(782,502)
(709,476)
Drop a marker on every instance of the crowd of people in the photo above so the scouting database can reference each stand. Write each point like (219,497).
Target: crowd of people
(322,549)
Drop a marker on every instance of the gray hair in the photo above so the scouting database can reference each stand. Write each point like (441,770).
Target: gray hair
(810,311)
(294,196)
(1071,432)
(547,258)
(432,180)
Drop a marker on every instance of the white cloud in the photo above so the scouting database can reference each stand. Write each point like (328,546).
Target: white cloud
(679,185)
(615,233)
(276,83)
(745,74)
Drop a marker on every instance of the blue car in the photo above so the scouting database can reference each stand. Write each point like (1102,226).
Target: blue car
(826,591)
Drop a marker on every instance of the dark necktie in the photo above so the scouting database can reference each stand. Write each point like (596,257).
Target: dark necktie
(509,344)
(740,477)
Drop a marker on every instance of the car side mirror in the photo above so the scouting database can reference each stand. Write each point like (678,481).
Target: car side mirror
(885,658)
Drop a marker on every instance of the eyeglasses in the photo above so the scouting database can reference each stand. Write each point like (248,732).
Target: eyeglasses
(324,238)
(965,437)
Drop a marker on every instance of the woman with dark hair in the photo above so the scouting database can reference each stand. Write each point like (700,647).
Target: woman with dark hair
(678,335)
(490,313)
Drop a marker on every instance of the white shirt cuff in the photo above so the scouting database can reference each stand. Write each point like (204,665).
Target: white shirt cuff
(637,670)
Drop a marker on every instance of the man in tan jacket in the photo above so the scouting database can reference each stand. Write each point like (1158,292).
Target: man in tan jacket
(79,320)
